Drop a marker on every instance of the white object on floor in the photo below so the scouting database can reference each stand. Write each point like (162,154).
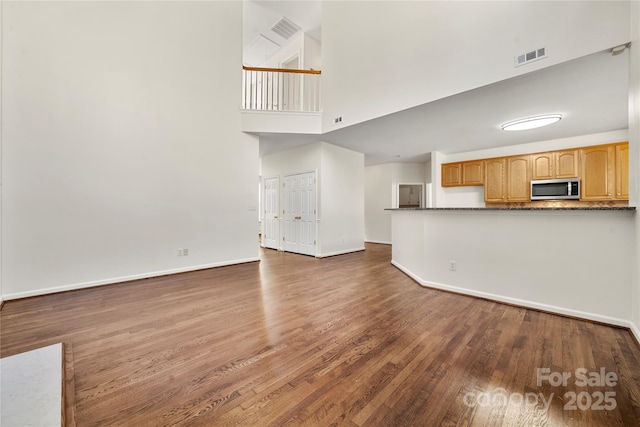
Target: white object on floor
(31,388)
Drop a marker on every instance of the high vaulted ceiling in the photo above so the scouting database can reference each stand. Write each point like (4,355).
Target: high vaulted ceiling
(260,15)
(590,92)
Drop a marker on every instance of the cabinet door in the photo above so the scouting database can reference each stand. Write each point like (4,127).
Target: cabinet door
(566,164)
(495,180)
(473,173)
(451,174)
(542,165)
(518,179)
(597,167)
(622,171)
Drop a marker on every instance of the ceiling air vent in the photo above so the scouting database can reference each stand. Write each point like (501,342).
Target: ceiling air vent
(534,55)
(285,28)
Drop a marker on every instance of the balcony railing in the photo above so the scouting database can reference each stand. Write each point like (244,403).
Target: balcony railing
(280,89)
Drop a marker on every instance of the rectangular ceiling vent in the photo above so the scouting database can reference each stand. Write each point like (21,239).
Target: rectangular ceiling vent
(531,56)
(285,28)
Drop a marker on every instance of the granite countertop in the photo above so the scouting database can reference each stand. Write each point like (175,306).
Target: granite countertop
(586,208)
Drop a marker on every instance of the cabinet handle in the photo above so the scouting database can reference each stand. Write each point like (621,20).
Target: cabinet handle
(297,217)
(275,217)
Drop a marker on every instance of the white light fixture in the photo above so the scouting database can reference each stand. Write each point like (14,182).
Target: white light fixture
(532,122)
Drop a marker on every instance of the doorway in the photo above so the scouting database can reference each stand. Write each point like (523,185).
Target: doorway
(292,63)
(271,224)
(299,214)
(410,195)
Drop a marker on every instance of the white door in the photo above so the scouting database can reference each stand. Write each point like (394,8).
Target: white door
(271,212)
(299,213)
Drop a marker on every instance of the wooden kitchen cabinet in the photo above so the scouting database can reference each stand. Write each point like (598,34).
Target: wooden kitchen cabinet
(518,179)
(507,179)
(567,164)
(622,171)
(555,164)
(603,170)
(463,173)
(542,166)
(473,173)
(598,172)
(451,174)
(495,180)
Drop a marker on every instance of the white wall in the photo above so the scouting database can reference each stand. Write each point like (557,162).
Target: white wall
(405,173)
(561,261)
(342,197)
(377,198)
(381,184)
(306,158)
(340,191)
(312,53)
(427,172)
(367,74)
(1,175)
(634,152)
(474,196)
(121,144)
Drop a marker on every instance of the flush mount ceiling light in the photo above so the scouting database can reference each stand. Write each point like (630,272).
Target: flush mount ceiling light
(532,122)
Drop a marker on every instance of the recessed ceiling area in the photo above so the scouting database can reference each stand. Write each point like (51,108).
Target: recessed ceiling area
(591,93)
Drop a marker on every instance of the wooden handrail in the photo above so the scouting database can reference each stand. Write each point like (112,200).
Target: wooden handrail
(281,70)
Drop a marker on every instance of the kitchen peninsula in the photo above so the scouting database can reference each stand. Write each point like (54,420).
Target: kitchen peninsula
(553,259)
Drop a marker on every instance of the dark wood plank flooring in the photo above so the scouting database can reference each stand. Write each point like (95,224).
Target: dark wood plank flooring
(294,340)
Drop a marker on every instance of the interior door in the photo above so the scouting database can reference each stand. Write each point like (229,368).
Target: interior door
(299,213)
(271,214)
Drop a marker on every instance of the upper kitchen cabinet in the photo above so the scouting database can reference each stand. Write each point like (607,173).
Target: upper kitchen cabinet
(518,179)
(463,173)
(555,164)
(495,180)
(451,174)
(473,173)
(507,179)
(622,171)
(567,163)
(542,166)
(605,172)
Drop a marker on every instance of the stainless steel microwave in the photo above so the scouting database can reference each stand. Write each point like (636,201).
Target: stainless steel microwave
(555,189)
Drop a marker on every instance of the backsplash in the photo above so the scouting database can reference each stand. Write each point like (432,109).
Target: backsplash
(562,204)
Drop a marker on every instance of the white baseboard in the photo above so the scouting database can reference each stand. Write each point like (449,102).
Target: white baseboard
(348,251)
(635,330)
(113,280)
(378,242)
(519,302)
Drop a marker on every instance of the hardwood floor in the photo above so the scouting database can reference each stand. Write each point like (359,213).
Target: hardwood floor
(347,340)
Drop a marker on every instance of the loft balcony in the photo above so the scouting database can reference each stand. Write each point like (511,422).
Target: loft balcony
(280,100)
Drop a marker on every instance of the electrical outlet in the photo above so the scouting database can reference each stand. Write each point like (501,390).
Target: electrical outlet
(180,251)
(453,265)
(337,120)
(185,252)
